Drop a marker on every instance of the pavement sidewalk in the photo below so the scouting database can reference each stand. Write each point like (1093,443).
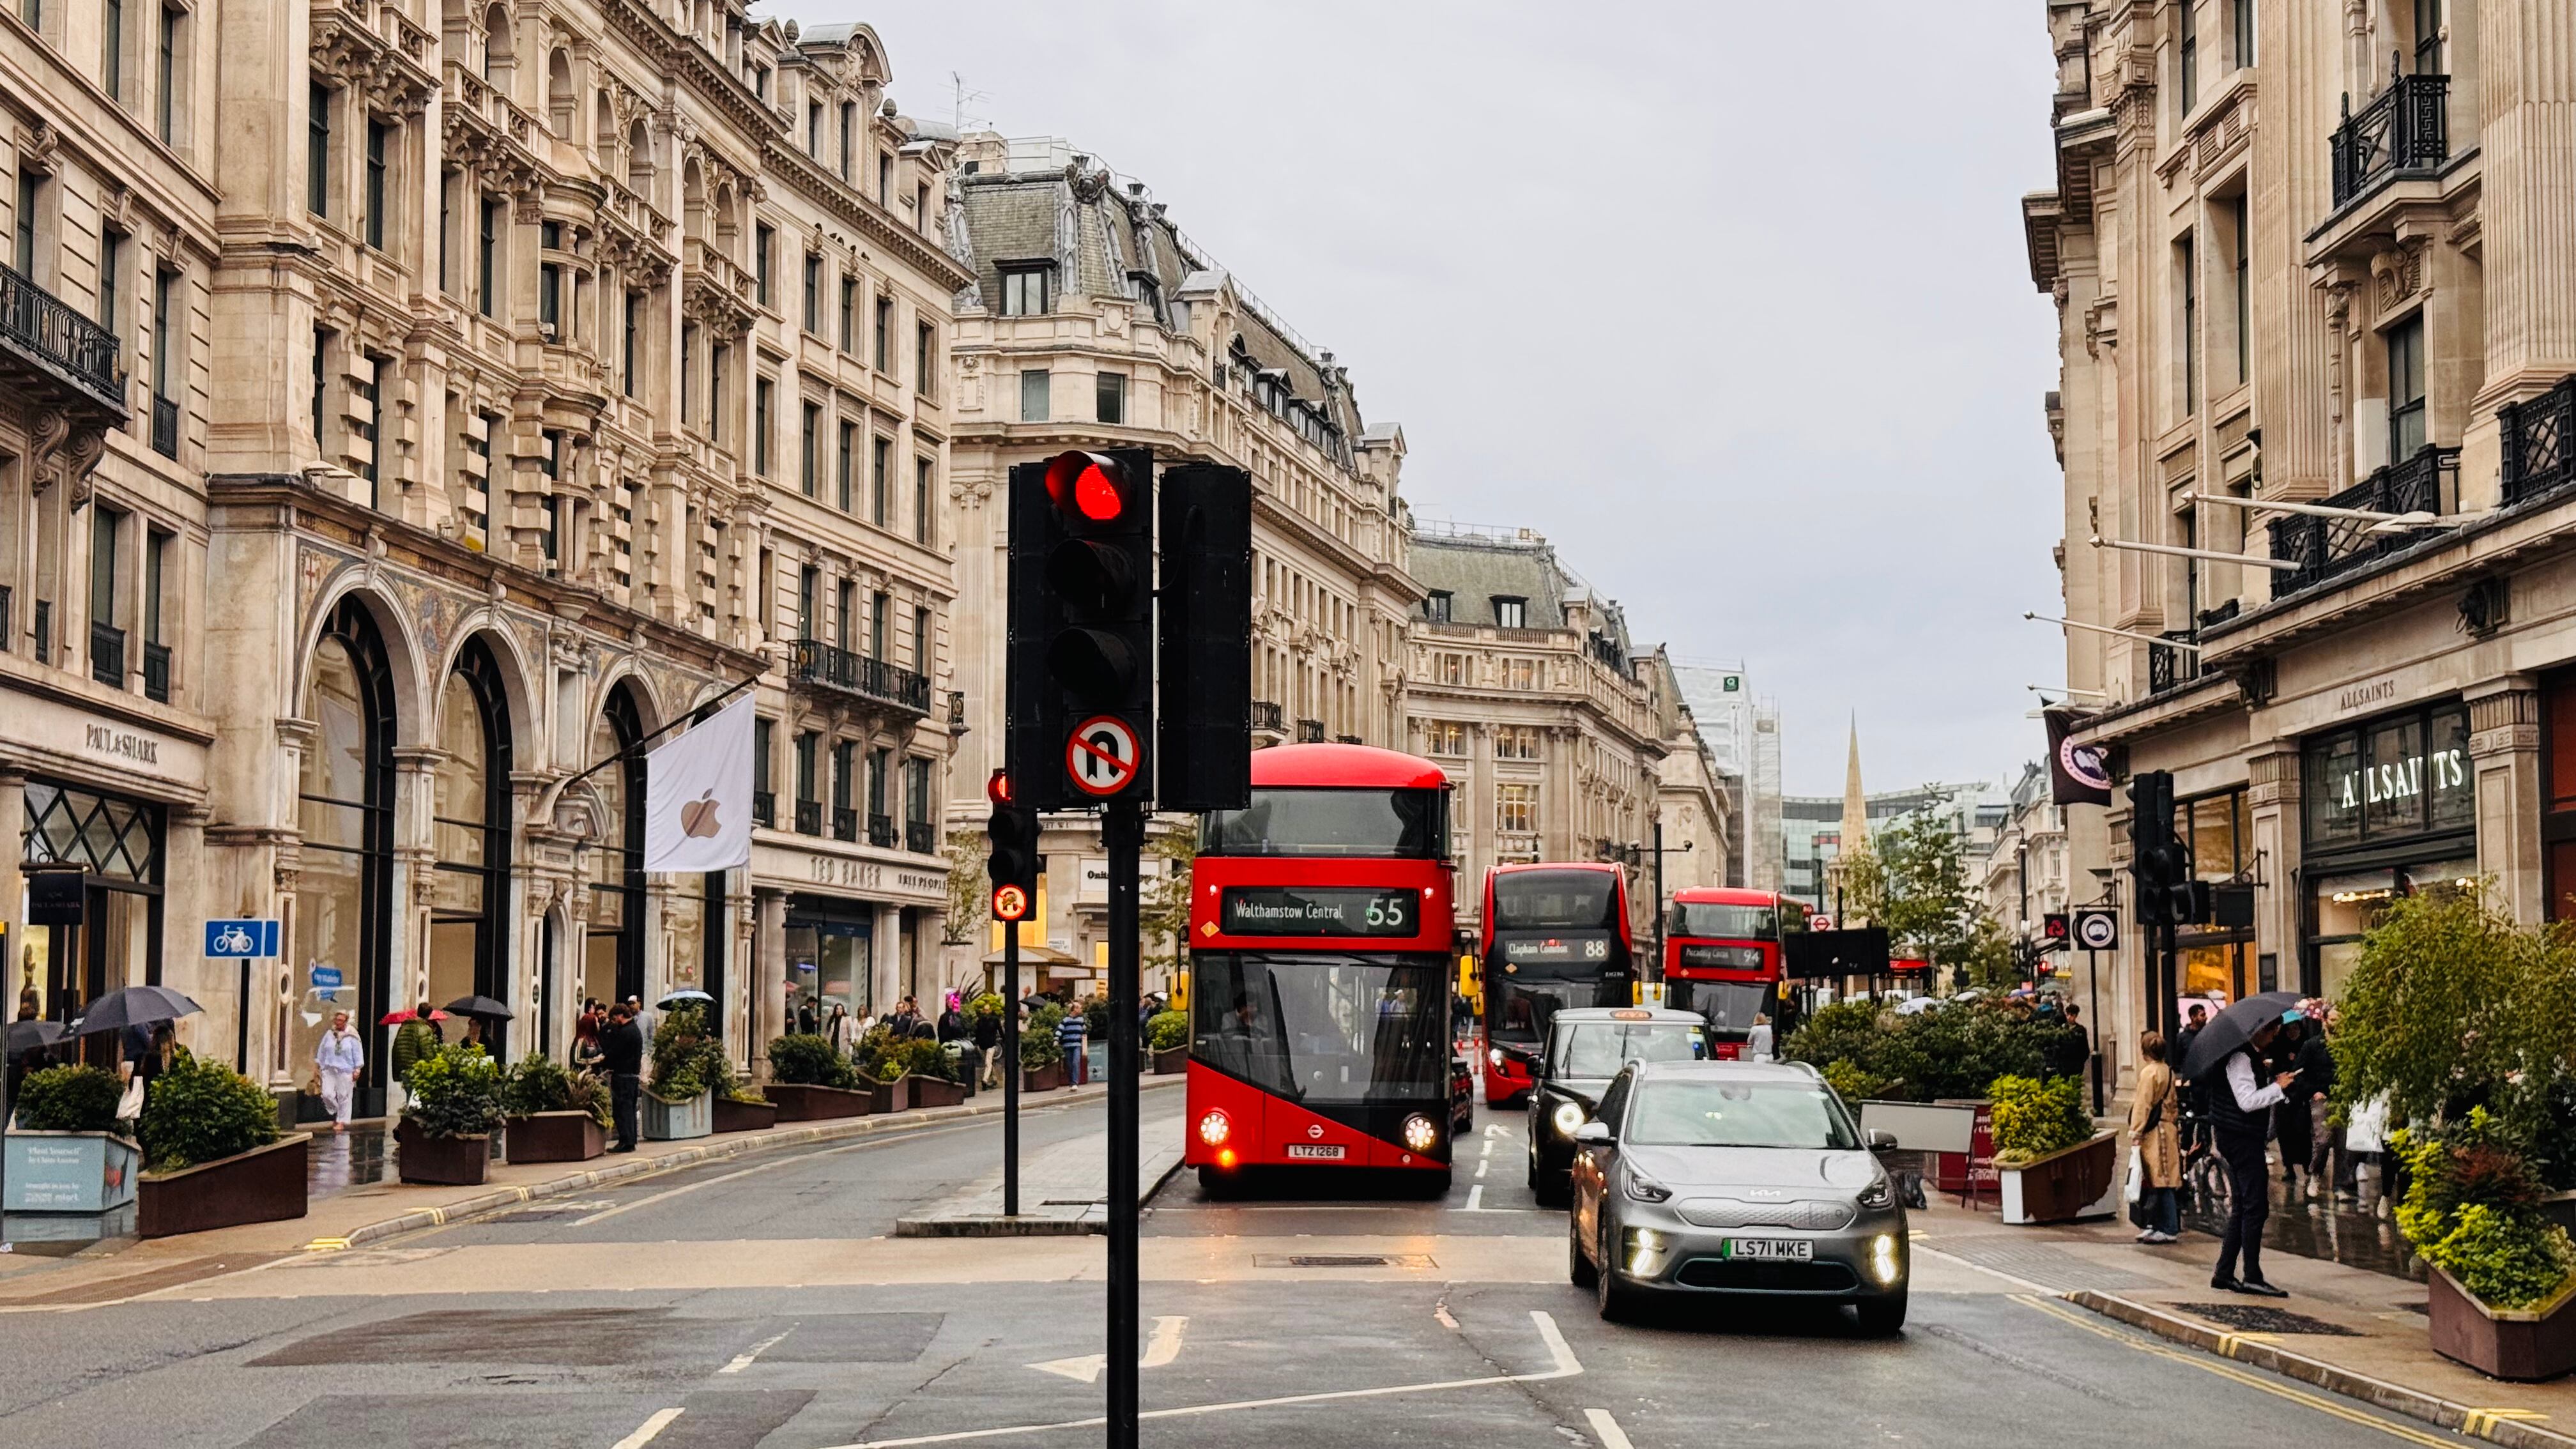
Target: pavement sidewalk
(1064,1191)
(122,1268)
(2357,1333)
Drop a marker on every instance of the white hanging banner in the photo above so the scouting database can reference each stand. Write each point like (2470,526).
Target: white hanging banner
(697,795)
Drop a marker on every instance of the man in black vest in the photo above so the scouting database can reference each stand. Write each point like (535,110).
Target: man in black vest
(622,1055)
(2242,1113)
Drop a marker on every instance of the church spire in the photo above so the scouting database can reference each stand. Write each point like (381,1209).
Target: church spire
(1855,805)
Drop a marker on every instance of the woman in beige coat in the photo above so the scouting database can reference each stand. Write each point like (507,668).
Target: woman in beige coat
(2155,1130)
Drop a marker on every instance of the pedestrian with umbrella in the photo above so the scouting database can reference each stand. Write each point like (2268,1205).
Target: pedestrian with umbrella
(2224,1056)
(419,1037)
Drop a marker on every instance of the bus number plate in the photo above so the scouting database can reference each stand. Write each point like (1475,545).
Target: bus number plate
(1774,1250)
(1321,911)
(1310,1152)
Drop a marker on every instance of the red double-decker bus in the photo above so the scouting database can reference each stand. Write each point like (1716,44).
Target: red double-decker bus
(1320,924)
(1554,935)
(1722,959)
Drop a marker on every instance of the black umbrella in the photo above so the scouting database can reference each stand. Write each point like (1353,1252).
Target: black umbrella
(27,1036)
(134,1006)
(482,1006)
(2233,1028)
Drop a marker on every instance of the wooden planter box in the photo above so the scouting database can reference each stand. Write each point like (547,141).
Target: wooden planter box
(2524,1345)
(1042,1079)
(2063,1186)
(669,1121)
(263,1185)
(804,1102)
(733,1116)
(894,1096)
(554,1137)
(444,1161)
(936,1092)
(1171,1061)
(70,1172)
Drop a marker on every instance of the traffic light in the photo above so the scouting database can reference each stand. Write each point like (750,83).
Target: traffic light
(1081,665)
(2155,856)
(1203,745)
(1011,835)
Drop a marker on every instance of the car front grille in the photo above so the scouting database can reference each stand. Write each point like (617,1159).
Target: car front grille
(1806,1215)
(1745,1276)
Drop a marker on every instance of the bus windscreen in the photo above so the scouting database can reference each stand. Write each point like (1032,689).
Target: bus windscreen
(1726,922)
(1324,1028)
(1555,900)
(1365,824)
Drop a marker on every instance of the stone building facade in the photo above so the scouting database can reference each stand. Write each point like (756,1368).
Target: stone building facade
(2026,868)
(1699,806)
(1525,688)
(1093,321)
(2320,254)
(444,441)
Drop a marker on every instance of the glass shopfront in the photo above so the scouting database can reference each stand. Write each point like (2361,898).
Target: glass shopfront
(2390,809)
(830,955)
(2217,961)
(114,845)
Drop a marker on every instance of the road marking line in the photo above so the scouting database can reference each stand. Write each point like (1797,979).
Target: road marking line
(666,1193)
(1480,1170)
(645,1431)
(1487,1149)
(1607,1429)
(2206,1364)
(1566,1365)
(1476,1198)
(743,1360)
(1441,1311)
(1164,1344)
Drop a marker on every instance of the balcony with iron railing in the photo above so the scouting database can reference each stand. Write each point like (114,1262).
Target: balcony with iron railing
(2539,442)
(847,672)
(1266,715)
(2426,484)
(1310,732)
(156,673)
(809,817)
(764,808)
(2404,130)
(45,344)
(165,427)
(920,837)
(845,823)
(881,831)
(2168,667)
(107,654)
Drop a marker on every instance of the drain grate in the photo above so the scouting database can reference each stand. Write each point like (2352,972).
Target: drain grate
(2255,1318)
(1342,1260)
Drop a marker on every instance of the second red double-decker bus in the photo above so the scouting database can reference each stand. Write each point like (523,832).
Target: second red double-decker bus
(1555,935)
(1722,959)
(1320,925)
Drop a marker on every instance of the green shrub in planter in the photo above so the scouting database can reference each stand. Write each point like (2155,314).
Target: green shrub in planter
(199,1110)
(1953,1050)
(70,1099)
(1853,1081)
(1095,1018)
(2473,1209)
(807,1060)
(1165,1030)
(1038,1046)
(542,1084)
(911,1056)
(686,1060)
(2035,1117)
(455,1093)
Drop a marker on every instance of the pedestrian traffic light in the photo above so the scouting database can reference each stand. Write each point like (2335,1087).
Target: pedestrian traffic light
(1203,745)
(1011,835)
(1081,627)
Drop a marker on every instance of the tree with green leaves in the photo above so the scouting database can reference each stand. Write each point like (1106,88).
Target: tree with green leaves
(1163,915)
(967,892)
(1912,879)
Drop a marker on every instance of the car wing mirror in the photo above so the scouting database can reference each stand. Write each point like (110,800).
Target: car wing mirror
(1879,1139)
(1595,1133)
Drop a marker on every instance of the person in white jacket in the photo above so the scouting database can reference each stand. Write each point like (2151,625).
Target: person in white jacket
(337,1059)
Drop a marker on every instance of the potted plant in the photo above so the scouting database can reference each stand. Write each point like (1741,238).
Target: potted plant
(1167,1038)
(68,1150)
(742,1107)
(810,1081)
(915,1072)
(2053,1166)
(688,1066)
(2458,1018)
(213,1155)
(1041,1056)
(446,1132)
(553,1115)
(882,1063)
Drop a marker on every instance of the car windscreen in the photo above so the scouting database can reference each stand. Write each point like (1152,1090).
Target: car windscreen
(1706,1112)
(1369,824)
(1725,922)
(1555,900)
(1591,1050)
(1324,1028)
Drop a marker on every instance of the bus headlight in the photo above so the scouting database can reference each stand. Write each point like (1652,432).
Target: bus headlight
(1884,1265)
(1420,1134)
(1568,1117)
(1494,1055)
(1214,1129)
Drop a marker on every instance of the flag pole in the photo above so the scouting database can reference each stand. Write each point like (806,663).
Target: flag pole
(643,740)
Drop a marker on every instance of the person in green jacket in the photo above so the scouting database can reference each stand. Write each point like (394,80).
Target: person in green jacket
(419,1037)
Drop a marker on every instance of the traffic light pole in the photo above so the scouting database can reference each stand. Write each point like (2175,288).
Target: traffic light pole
(1123,833)
(1011,1069)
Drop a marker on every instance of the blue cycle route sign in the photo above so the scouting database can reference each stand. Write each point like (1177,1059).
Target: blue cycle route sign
(243,940)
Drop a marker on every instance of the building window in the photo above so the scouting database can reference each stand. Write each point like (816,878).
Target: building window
(1037,400)
(849,314)
(23,239)
(112,50)
(814,293)
(809,468)
(167,81)
(921,642)
(487,253)
(761,393)
(849,137)
(885,180)
(849,447)
(446,225)
(764,239)
(2244,10)
(1110,394)
(879,605)
(549,280)
(814,129)
(1449,668)
(2187,54)
(764,744)
(317,150)
(2244,291)
(879,451)
(921,515)
(1516,742)
(1520,674)
(922,344)
(1437,606)
(156,651)
(1516,809)
(379,140)
(106,640)
(2186,256)
(165,373)
(634,312)
(111,273)
(321,344)
(885,334)
(369,411)
(1445,737)
(808,820)
(1510,613)
(2406,389)
(1024,291)
(845,613)
(809,581)
(2428,37)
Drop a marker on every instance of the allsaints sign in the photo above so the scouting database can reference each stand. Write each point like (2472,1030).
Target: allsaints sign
(2398,776)
(2397,779)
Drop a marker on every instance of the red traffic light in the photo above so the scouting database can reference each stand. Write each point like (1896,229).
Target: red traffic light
(1090,485)
(998,788)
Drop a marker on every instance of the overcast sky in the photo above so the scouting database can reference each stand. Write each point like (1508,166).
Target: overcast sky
(1727,299)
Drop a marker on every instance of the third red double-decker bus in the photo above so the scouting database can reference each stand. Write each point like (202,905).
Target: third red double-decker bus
(1320,925)
(1555,935)
(1722,959)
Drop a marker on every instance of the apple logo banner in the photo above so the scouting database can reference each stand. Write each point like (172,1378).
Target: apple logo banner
(697,795)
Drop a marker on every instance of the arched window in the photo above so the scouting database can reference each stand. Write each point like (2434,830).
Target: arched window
(559,96)
(613,965)
(344,881)
(639,160)
(499,46)
(469,938)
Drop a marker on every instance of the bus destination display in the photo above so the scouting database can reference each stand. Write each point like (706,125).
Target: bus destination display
(1556,948)
(1321,911)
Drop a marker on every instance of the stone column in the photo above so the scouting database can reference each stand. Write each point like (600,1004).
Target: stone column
(414,866)
(768,972)
(2272,775)
(885,968)
(13,892)
(2504,760)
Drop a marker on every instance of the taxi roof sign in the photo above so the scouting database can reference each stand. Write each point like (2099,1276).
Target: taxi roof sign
(1630,1014)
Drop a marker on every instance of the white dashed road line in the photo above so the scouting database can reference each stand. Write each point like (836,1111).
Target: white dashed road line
(743,1360)
(645,1432)
(1607,1430)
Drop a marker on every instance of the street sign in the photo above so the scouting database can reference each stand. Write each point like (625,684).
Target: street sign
(1010,903)
(2097,929)
(326,978)
(1820,922)
(1102,755)
(242,940)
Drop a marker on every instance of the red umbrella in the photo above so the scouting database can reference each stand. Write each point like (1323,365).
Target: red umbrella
(392,1017)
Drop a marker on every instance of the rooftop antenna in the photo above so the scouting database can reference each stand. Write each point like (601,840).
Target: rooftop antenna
(957,110)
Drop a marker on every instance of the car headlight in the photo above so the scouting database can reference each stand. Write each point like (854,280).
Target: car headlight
(1214,1128)
(1420,1134)
(1645,1250)
(1568,1117)
(1877,1195)
(1494,1055)
(1646,1189)
(1885,1264)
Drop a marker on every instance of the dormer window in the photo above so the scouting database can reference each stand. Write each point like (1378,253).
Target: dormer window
(1026,288)
(1510,613)
(1436,606)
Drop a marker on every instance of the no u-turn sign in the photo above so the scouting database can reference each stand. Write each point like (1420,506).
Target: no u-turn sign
(1103,756)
